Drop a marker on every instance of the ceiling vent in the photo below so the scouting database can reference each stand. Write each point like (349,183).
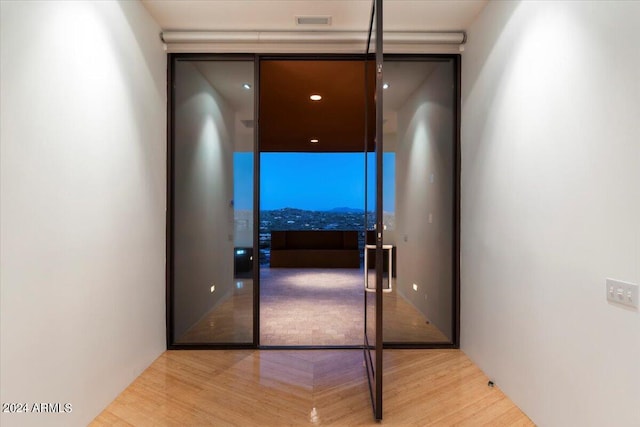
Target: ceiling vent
(247,123)
(313,20)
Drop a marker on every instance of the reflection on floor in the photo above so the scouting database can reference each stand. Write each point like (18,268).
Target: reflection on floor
(309,307)
(309,387)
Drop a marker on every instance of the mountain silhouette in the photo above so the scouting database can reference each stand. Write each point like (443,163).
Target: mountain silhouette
(346,210)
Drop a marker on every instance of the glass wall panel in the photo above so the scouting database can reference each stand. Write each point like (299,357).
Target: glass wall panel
(212,203)
(419,127)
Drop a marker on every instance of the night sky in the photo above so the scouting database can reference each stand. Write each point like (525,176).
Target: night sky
(311,181)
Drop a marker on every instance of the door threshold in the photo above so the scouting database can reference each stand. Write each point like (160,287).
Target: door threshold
(310,347)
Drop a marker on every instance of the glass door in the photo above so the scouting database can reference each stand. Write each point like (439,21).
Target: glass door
(374,218)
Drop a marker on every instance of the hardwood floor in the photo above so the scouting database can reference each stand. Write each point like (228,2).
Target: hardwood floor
(319,387)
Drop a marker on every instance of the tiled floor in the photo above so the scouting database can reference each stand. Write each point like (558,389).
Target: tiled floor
(309,307)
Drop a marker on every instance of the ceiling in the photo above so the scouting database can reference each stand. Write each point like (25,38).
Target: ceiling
(288,119)
(279,15)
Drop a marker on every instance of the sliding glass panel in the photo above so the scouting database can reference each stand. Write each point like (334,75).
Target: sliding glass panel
(419,129)
(212,202)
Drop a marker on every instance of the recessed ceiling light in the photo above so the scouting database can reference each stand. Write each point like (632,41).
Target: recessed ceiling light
(314,141)
(315,97)
(246,86)
(385,86)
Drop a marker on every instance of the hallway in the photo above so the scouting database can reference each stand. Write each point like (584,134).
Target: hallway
(549,199)
(277,388)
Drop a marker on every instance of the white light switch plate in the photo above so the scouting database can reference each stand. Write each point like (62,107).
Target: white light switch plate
(622,292)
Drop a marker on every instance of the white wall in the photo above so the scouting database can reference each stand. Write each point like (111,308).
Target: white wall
(203,168)
(82,204)
(425,147)
(551,207)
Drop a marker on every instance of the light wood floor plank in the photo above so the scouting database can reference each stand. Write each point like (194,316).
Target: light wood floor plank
(283,388)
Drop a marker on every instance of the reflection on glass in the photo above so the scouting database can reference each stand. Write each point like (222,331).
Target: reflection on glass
(419,127)
(213,202)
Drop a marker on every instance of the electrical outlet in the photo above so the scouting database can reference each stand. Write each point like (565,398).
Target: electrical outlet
(622,292)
